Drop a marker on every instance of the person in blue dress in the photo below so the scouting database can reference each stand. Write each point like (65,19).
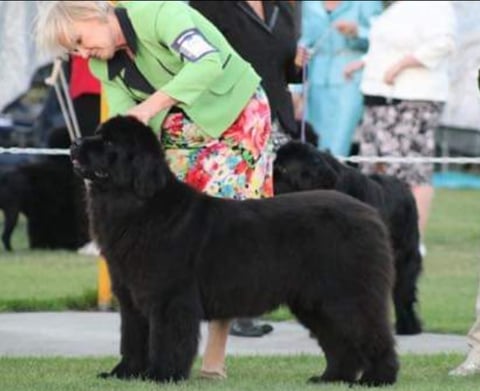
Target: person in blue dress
(334,33)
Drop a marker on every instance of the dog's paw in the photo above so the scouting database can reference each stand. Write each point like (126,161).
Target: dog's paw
(121,371)
(315,380)
(408,325)
(162,376)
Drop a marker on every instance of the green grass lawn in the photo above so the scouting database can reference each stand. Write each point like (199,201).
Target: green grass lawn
(418,373)
(43,279)
(56,280)
(449,285)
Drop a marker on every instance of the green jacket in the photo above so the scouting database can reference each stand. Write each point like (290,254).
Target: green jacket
(181,53)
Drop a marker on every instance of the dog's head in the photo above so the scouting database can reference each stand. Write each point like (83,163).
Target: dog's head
(122,155)
(300,166)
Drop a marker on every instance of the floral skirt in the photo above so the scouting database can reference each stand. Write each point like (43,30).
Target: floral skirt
(402,130)
(236,165)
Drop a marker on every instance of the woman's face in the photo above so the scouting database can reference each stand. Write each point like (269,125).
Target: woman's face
(93,38)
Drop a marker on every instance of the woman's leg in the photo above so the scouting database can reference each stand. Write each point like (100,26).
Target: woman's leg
(423,196)
(213,364)
(471,364)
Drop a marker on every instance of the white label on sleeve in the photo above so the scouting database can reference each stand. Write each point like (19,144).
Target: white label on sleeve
(192,45)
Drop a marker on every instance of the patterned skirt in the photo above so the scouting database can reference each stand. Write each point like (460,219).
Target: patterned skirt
(236,165)
(405,129)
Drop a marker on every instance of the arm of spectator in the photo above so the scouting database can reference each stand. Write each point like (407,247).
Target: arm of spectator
(368,11)
(352,67)
(434,51)
(357,32)
(302,56)
(437,37)
(409,61)
(309,27)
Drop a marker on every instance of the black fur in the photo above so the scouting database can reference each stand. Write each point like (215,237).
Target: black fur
(301,167)
(310,136)
(50,196)
(44,193)
(177,256)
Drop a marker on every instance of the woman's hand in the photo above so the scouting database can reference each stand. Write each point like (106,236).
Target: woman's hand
(409,61)
(352,67)
(392,73)
(146,110)
(143,112)
(346,28)
(302,57)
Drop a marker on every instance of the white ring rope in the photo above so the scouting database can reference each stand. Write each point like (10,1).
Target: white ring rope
(34,151)
(352,159)
(411,159)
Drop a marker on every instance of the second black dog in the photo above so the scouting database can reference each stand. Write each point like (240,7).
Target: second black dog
(302,167)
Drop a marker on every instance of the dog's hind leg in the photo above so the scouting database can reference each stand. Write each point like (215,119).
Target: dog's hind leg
(345,361)
(408,268)
(173,340)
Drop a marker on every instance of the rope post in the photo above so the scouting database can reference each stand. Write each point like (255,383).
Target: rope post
(104,296)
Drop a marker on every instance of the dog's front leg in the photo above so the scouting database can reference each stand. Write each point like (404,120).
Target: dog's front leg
(134,336)
(173,340)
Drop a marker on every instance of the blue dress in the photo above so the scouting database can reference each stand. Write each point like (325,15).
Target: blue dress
(334,105)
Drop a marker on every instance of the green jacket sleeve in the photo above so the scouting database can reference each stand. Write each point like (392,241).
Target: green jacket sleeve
(197,75)
(119,101)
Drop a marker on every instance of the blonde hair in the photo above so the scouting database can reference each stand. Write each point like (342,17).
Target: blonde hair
(53,27)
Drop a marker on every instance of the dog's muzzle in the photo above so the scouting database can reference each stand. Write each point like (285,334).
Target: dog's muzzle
(75,155)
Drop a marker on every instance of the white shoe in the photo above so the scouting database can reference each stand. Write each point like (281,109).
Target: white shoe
(89,249)
(470,366)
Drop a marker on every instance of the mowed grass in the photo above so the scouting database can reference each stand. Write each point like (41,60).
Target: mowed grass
(450,280)
(418,373)
(57,280)
(45,280)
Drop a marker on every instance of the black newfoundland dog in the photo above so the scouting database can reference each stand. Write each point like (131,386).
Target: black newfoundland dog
(302,167)
(177,256)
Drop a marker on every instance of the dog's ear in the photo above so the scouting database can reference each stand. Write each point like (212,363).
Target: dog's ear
(151,175)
